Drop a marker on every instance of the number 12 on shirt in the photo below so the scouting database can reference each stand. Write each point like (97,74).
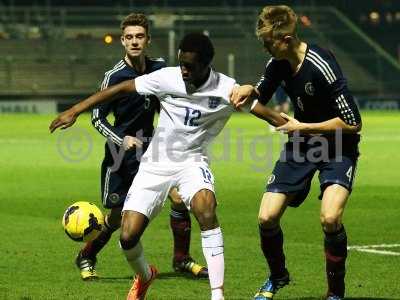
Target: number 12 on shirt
(192,116)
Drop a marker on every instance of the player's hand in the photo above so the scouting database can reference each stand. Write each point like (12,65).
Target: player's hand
(130,142)
(240,95)
(291,125)
(64,120)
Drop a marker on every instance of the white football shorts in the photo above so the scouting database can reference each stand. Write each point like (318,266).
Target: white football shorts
(151,186)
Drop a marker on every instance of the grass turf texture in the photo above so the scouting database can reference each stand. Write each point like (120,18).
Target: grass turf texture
(37,258)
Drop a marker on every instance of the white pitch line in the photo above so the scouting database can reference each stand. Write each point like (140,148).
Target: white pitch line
(374,246)
(376,249)
(382,252)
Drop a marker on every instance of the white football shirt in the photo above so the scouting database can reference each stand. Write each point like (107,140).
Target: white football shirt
(190,118)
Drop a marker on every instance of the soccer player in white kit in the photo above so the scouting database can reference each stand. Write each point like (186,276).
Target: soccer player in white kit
(194,108)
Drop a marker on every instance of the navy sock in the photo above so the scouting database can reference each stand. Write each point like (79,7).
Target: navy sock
(92,248)
(272,247)
(181,230)
(335,245)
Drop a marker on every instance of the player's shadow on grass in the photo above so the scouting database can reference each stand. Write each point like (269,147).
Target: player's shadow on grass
(371,298)
(112,279)
(173,275)
(160,276)
(348,298)
(306,298)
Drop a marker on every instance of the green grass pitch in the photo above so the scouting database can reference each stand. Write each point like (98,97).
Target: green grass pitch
(38,183)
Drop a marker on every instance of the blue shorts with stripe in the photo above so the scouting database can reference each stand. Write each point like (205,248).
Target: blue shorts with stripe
(293,174)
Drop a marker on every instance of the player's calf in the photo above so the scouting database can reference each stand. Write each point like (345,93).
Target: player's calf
(181,230)
(133,225)
(335,245)
(92,248)
(204,208)
(180,223)
(271,240)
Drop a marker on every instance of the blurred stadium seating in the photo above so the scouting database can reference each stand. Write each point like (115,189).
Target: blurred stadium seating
(53,50)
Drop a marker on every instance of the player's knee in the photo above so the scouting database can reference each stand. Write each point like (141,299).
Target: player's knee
(209,212)
(207,220)
(132,227)
(128,239)
(330,222)
(207,217)
(267,220)
(130,235)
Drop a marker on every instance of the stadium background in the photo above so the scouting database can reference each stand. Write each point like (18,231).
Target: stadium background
(53,53)
(69,36)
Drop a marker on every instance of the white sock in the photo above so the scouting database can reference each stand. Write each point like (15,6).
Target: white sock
(138,263)
(213,250)
(217,294)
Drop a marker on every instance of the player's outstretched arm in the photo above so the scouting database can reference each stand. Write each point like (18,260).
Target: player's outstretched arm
(322,127)
(267,114)
(242,95)
(68,117)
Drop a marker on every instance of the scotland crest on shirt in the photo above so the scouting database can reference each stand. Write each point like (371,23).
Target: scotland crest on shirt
(309,88)
(213,102)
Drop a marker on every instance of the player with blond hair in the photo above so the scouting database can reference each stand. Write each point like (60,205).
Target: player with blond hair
(323,137)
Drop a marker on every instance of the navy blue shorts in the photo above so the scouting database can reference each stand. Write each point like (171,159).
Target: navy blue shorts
(293,176)
(115,184)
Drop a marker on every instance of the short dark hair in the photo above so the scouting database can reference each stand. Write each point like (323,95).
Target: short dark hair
(134,19)
(199,43)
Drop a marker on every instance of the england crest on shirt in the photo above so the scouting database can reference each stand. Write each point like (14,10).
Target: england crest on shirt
(213,102)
